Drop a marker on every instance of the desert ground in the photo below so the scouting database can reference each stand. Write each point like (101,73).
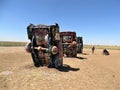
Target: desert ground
(86,72)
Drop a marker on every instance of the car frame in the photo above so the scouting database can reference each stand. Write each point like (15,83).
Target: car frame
(45,45)
(69,45)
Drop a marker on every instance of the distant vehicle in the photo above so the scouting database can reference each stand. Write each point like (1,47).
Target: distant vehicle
(45,45)
(106,52)
(69,43)
(79,45)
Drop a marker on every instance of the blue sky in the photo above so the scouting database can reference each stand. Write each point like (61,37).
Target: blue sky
(97,21)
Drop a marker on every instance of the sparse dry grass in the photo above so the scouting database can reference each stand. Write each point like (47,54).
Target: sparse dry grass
(10,44)
(110,47)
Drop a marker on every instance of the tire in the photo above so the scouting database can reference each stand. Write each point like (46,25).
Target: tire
(36,60)
(75,55)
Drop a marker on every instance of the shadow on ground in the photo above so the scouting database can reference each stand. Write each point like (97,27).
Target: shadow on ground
(67,68)
(31,66)
(85,54)
(81,57)
(64,68)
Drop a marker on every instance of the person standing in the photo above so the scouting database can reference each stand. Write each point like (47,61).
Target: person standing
(93,49)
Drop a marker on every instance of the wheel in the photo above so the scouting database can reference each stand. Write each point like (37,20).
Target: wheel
(36,59)
(74,52)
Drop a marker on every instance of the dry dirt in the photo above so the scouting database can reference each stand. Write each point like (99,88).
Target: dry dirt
(86,72)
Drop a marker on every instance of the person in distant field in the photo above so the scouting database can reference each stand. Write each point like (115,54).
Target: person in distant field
(93,49)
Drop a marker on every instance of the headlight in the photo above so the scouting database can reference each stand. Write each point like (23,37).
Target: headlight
(54,50)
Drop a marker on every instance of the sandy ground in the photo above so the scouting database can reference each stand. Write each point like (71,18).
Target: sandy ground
(86,72)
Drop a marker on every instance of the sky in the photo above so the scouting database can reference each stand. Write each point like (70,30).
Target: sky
(97,21)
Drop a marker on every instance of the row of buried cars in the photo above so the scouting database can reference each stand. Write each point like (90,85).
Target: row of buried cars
(48,45)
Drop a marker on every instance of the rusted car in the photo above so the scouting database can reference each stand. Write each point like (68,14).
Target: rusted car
(45,45)
(69,44)
(79,45)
